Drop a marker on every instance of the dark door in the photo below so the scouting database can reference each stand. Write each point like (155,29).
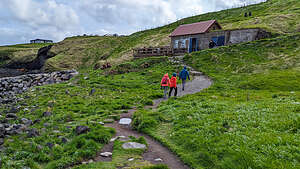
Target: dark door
(221,41)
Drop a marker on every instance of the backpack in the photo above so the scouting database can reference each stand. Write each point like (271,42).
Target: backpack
(164,80)
(173,81)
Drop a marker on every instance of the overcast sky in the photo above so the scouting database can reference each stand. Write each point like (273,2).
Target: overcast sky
(22,20)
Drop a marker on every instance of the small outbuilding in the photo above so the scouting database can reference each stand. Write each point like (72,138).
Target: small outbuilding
(197,36)
(41,41)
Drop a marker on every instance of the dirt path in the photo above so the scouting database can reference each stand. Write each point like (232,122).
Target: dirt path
(157,151)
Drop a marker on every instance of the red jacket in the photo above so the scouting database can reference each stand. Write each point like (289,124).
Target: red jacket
(173,82)
(167,80)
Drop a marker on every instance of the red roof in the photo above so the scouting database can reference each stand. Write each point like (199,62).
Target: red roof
(194,28)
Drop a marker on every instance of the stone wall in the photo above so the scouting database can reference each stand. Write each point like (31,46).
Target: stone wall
(11,86)
(231,37)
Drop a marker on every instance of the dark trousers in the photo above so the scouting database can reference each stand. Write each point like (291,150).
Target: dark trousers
(171,89)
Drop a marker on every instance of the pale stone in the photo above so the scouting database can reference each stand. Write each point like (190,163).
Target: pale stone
(131,159)
(106,154)
(125,121)
(133,145)
(158,160)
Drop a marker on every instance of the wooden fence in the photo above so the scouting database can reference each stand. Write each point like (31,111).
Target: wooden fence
(158,51)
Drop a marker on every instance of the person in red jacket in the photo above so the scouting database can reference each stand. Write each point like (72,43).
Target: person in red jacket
(165,83)
(173,85)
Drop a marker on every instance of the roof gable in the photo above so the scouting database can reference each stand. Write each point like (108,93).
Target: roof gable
(194,28)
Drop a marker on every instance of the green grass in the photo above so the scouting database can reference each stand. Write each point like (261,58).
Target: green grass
(21,52)
(249,118)
(72,104)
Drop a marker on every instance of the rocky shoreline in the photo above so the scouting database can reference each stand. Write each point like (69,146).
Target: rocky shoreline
(12,86)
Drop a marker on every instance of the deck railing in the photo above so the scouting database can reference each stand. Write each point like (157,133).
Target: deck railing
(157,51)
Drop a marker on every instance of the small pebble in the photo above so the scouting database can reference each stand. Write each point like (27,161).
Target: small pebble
(131,159)
(106,154)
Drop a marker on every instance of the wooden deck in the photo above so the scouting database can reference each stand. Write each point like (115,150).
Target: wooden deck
(157,51)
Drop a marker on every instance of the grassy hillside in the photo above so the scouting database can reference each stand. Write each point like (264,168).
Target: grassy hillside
(276,16)
(22,52)
(72,104)
(249,118)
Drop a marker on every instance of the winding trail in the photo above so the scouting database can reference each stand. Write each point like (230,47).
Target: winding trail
(156,150)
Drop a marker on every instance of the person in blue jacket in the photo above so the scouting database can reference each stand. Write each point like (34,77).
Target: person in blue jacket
(183,75)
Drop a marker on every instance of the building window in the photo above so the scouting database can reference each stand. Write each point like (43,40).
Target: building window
(176,44)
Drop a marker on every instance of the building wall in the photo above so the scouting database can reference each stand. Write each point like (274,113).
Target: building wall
(245,35)
(231,37)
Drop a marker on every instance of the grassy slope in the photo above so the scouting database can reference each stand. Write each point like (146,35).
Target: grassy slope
(276,16)
(249,118)
(72,104)
(22,52)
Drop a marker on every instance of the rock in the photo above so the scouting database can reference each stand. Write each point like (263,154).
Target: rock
(125,121)
(36,121)
(10,86)
(106,154)
(92,92)
(133,145)
(2,131)
(195,73)
(131,159)
(56,131)
(13,110)
(33,133)
(122,138)
(158,160)
(11,115)
(101,123)
(1,141)
(47,114)
(64,140)
(85,78)
(90,161)
(50,145)
(114,139)
(46,124)
(26,121)
(82,129)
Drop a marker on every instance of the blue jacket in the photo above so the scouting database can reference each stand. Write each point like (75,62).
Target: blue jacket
(184,74)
